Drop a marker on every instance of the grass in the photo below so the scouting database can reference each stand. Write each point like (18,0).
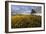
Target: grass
(25,21)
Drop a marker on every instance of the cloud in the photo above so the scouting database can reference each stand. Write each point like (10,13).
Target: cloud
(25,9)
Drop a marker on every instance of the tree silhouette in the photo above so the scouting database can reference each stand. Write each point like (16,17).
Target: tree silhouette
(33,11)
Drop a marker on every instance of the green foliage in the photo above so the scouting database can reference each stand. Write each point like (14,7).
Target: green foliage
(25,21)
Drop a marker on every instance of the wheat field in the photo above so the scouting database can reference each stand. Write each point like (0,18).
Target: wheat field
(25,21)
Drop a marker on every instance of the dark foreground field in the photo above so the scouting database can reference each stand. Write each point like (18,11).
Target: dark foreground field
(25,21)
